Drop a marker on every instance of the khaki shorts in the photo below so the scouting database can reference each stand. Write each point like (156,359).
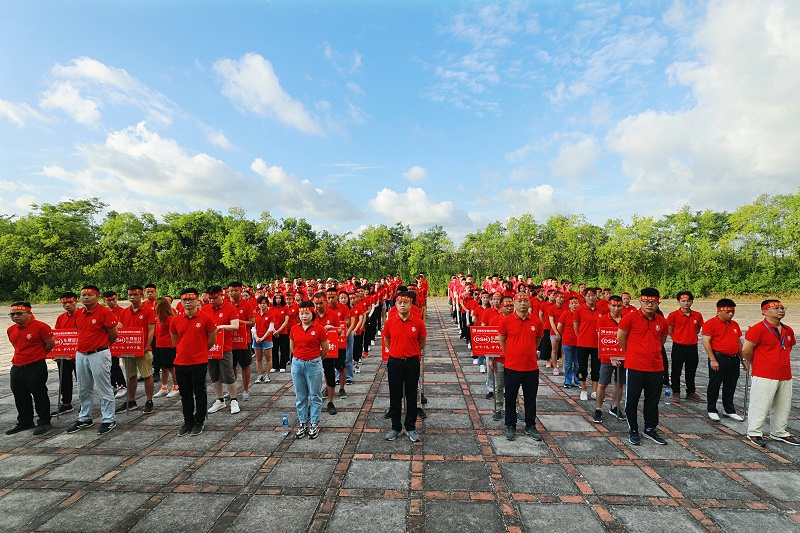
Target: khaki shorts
(141,365)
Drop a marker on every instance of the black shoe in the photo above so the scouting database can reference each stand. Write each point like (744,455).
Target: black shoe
(185,429)
(633,438)
(197,429)
(106,427)
(532,433)
(79,425)
(653,435)
(342,394)
(758,441)
(331,408)
(423,400)
(613,411)
(41,429)
(421,413)
(348,382)
(148,407)
(496,416)
(64,408)
(511,433)
(386,415)
(489,395)
(20,427)
(127,406)
(598,416)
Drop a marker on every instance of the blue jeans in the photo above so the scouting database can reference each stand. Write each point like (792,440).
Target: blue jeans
(570,365)
(481,359)
(348,361)
(307,379)
(94,373)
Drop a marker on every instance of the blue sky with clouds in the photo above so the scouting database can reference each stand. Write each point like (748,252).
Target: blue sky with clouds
(350,113)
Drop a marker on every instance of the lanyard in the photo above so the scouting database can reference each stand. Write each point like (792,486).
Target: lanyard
(780,336)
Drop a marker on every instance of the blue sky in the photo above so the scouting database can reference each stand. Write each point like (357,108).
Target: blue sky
(357,113)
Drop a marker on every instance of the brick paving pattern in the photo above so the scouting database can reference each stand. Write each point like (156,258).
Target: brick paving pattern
(242,474)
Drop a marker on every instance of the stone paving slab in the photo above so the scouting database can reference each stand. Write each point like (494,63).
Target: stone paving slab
(184,512)
(568,518)
(96,512)
(360,515)
(20,507)
(647,519)
(275,514)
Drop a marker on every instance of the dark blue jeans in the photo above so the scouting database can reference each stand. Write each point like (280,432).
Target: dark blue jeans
(529,381)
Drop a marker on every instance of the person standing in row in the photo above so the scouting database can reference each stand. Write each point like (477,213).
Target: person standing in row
(309,344)
(722,340)
(66,367)
(684,327)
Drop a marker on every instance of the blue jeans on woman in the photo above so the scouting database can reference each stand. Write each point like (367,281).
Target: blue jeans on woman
(571,365)
(307,379)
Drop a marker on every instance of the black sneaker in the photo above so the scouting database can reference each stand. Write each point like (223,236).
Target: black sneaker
(185,429)
(42,429)
(386,415)
(20,427)
(532,433)
(496,416)
(127,406)
(63,408)
(106,427)
(313,431)
(79,425)
(197,429)
(342,394)
(301,431)
(613,411)
(598,416)
(331,408)
(511,433)
(421,413)
(148,407)
(348,382)
(653,435)
(757,440)
(489,395)
(423,400)
(633,438)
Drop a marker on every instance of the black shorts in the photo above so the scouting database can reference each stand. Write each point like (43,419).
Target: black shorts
(340,360)
(242,357)
(163,357)
(328,368)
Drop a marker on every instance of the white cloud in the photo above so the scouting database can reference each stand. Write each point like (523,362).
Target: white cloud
(415,174)
(539,201)
(576,160)
(741,134)
(302,197)
(86,85)
(251,84)
(344,64)
(217,138)
(19,114)
(417,209)
(356,88)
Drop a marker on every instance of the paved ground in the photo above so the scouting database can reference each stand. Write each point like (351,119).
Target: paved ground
(241,474)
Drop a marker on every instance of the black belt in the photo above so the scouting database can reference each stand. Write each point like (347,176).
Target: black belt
(404,359)
(726,355)
(90,352)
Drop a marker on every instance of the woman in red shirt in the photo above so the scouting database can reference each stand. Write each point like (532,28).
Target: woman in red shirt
(309,344)
(164,353)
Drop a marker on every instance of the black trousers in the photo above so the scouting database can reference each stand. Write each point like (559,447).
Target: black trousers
(358,347)
(665,360)
(192,385)
(545,346)
(512,381)
(67,370)
(403,382)
(280,350)
(29,385)
(640,381)
(117,377)
(585,357)
(683,354)
(728,377)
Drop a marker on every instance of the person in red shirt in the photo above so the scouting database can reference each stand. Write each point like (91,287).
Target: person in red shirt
(241,339)
(193,334)
(626,304)
(111,300)
(340,319)
(569,343)
(497,363)
(164,351)
(610,369)
(309,344)
(226,317)
(404,337)
(151,296)
(641,336)
(684,328)
(66,367)
(97,330)
(140,317)
(546,346)
(358,312)
(722,340)
(519,335)
(262,338)
(768,348)
(585,324)
(551,315)
(284,318)
(32,340)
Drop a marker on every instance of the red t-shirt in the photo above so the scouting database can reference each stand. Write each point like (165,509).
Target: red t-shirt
(602,305)
(605,321)
(644,341)
(262,324)
(724,336)
(223,316)
(489,314)
(628,310)
(28,341)
(568,337)
(404,336)
(685,327)
(140,319)
(543,315)
(92,327)
(495,321)
(279,314)
(65,321)
(163,338)
(554,312)
(308,342)
(587,325)
(770,359)
(192,347)
(522,339)
(241,339)
(355,313)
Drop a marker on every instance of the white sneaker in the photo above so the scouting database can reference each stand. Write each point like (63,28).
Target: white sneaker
(594,395)
(121,392)
(216,406)
(174,392)
(282,370)
(265,379)
(482,369)
(234,407)
(163,391)
(713,416)
(555,371)
(245,396)
(475,361)
(271,370)
(372,343)
(584,396)
(258,379)
(734,416)
(358,369)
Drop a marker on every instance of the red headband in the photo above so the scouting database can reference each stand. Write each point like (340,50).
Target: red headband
(21,308)
(771,305)
(135,291)
(189,296)
(649,299)
(90,290)
(403,299)
(726,308)
(522,296)
(215,294)
(68,300)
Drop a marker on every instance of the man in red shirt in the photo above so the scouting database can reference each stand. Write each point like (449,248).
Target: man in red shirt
(404,337)
(768,347)
(684,327)
(193,334)
(66,367)
(641,335)
(626,304)
(144,318)
(585,324)
(226,317)
(151,295)
(497,363)
(97,330)
(32,340)
(242,357)
(519,335)
(722,340)
(111,300)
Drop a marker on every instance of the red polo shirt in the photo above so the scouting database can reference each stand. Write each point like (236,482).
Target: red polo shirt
(245,312)
(522,339)
(308,342)
(724,336)
(568,337)
(587,325)
(404,336)
(223,316)
(770,360)
(28,341)
(92,327)
(140,319)
(644,341)
(685,327)
(192,348)
(163,338)
(65,321)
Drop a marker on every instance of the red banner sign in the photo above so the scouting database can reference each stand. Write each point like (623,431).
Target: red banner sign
(130,342)
(66,344)
(216,351)
(333,340)
(484,340)
(608,345)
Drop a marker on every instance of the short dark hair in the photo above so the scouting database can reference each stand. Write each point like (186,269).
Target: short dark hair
(236,284)
(135,288)
(306,304)
(650,291)
(190,290)
(615,298)
(688,294)
(68,294)
(28,304)
(262,298)
(150,286)
(109,294)
(726,302)
(214,289)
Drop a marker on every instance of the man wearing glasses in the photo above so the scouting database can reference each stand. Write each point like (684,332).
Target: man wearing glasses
(32,340)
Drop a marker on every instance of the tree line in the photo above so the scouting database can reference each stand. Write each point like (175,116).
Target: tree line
(57,247)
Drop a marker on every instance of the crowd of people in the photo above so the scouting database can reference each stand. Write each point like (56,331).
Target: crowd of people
(322,329)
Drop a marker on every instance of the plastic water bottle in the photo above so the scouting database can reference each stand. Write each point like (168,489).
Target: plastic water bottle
(667,396)
(285,424)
